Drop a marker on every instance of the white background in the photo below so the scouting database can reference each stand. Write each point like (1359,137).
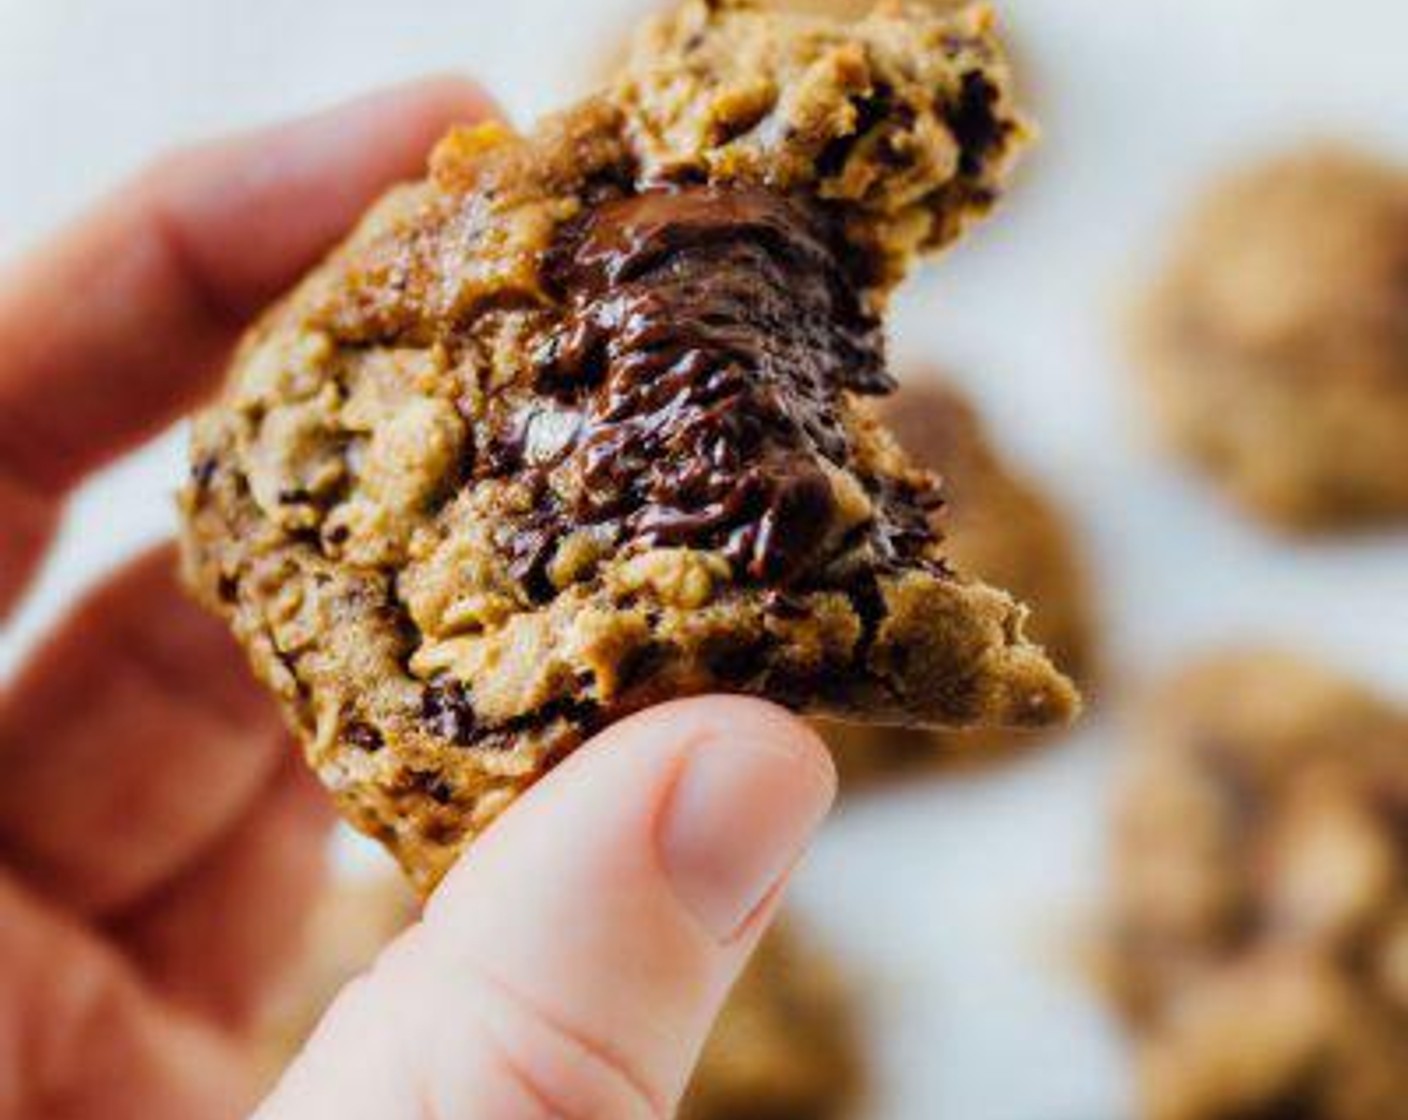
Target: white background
(958,900)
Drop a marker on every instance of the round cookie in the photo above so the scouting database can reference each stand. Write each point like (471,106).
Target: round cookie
(1259,941)
(1275,343)
(785,1046)
(997,525)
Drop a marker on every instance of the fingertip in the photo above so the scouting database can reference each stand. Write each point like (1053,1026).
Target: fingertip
(446,97)
(250,213)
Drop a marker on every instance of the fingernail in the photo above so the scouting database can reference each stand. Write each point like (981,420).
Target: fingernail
(739,816)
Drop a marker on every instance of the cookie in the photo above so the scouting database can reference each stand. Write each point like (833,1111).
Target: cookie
(583,422)
(1000,526)
(1259,949)
(352,923)
(857,9)
(785,1047)
(1275,342)
(608,59)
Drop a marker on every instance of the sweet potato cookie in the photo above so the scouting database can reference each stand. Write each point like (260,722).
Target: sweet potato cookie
(997,525)
(582,422)
(1276,342)
(1260,940)
(785,1047)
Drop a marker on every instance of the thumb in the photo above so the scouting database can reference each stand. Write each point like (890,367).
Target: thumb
(573,962)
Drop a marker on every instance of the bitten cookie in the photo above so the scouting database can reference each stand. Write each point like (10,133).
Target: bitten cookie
(582,422)
(785,1047)
(1259,949)
(997,525)
(1276,341)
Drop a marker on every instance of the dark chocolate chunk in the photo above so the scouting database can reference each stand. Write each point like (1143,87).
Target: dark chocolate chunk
(448,711)
(692,392)
(363,736)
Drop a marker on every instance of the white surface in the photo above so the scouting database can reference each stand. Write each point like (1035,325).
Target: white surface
(956,899)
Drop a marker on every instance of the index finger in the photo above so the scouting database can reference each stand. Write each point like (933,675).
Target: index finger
(118,324)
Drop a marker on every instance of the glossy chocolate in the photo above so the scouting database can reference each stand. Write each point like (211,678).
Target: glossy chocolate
(691,393)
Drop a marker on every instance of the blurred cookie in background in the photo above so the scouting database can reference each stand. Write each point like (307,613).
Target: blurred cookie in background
(999,526)
(351,924)
(786,1047)
(1258,941)
(1275,343)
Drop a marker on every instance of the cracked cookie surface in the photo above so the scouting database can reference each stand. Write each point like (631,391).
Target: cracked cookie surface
(1275,343)
(1259,946)
(582,422)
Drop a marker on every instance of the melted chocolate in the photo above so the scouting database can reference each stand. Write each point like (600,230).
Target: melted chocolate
(692,387)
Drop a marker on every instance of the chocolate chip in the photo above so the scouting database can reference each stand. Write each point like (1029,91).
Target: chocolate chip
(435,787)
(781,604)
(363,736)
(449,713)
(975,122)
(203,472)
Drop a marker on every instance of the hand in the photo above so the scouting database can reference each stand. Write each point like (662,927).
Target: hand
(159,842)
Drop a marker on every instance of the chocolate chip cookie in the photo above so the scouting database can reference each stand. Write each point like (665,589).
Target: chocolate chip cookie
(785,1047)
(856,9)
(584,421)
(998,525)
(1276,341)
(1260,943)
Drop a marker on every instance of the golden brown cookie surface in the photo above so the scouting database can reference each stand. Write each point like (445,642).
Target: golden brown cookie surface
(1276,341)
(581,423)
(1260,925)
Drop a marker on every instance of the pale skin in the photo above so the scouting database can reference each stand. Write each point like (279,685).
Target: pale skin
(159,839)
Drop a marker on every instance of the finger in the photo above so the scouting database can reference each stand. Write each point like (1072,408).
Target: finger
(80,1036)
(220,937)
(120,323)
(572,963)
(30,522)
(130,743)
(122,318)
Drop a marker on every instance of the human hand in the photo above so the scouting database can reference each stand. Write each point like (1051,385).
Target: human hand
(159,843)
